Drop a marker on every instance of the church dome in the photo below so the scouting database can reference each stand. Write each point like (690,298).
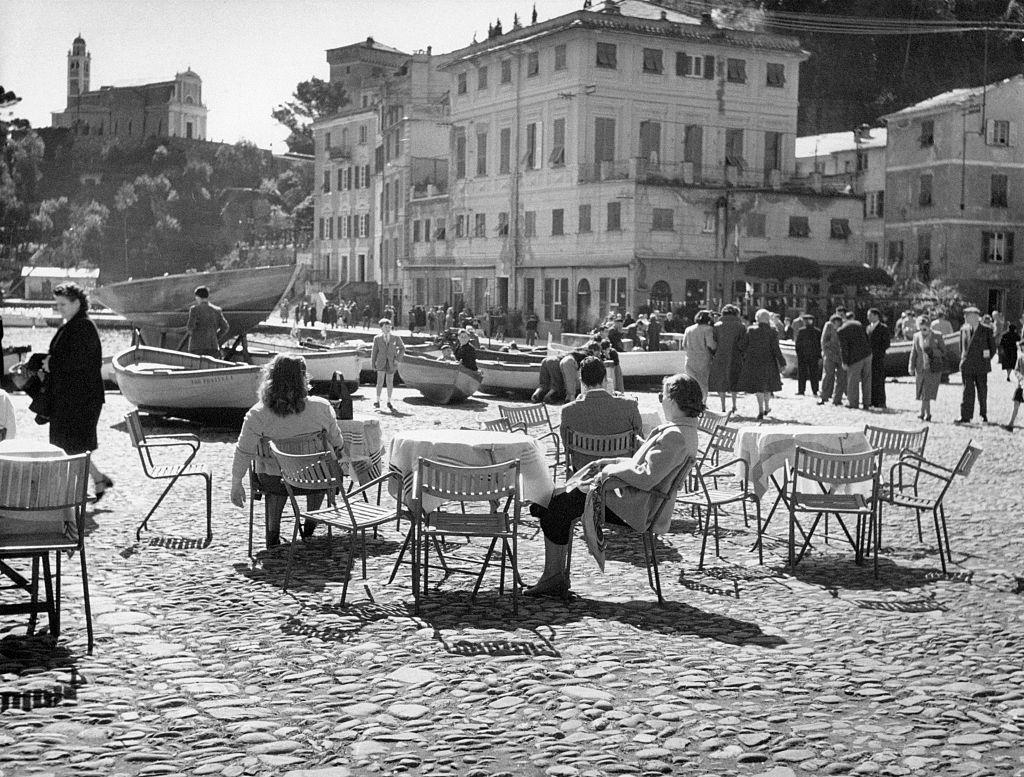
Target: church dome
(79,39)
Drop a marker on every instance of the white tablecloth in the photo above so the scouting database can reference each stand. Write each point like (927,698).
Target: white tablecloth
(475,448)
(34,523)
(363,440)
(768,448)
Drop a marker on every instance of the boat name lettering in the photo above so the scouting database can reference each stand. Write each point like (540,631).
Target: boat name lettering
(211,379)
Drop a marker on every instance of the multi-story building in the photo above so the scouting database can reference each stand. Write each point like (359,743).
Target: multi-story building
(851,162)
(625,156)
(367,158)
(955,192)
(166,108)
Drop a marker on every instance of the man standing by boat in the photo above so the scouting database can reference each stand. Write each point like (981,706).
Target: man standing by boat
(207,326)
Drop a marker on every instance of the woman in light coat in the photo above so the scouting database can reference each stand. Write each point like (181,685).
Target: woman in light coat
(388,349)
(699,345)
(927,360)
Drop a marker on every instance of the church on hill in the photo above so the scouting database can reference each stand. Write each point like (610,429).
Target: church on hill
(166,108)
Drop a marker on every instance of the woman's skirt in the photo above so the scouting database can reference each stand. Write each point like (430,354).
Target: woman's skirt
(927,385)
(77,433)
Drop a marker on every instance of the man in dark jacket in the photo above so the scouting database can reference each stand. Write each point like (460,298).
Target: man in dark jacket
(466,353)
(977,346)
(808,355)
(879,338)
(856,354)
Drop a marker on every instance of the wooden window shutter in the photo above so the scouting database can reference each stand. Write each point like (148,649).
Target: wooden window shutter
(986,245)
(1008,258)
(709,67)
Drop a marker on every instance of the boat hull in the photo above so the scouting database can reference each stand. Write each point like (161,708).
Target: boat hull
(321,364)
(185,385)
(897,358)
(504,377)
(440,382)
(639,365)
(159,306)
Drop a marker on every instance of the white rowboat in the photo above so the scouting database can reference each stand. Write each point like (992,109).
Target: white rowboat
(442,382)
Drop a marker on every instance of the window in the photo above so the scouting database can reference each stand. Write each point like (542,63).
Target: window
(532,156)
(650,141)
(348,179)
(776,75)
(351,225)
(558,221)
(896,252)
(416,230)
(506,71)
(997,247)
(556,291)
(871,253)
(364,225)
(736,71)
(874,204)
(460,81)
(340,179)
(694,67)
(998,132)
(344,267)
(330,228)
(653,61)
(927,133)
(357,178)
(321,229)
(503,223)
(480,225)
(693,146)
(460,152)
(607,56)
(999,191)
(560,57)
(460,225)
(604,139)
(327,180)
(839,229)
(662,220)
(426,230)
(924,257)
(611,292)
(481,153)
(584,219)
(734,148)
(532,64)
(772,154)
(799,227)
(504,149)
(924,195)
(481,78)
(341,228)
(439,229)
(530,223)
(557,157)
(755,225)
(614,216)
(709,222)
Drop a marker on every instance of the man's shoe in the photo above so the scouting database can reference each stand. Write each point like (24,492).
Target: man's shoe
(376,405)
(1008,427)
(984,419)
(961,421)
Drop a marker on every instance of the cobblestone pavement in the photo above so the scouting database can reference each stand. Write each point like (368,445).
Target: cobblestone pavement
(203,665)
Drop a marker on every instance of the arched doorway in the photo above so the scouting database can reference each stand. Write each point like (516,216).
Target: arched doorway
(661,296)
(583,305)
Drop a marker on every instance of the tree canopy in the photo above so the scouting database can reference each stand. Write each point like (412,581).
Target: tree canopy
(781,267)
(312,99)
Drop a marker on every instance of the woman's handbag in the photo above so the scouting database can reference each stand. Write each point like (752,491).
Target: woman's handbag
(39,390)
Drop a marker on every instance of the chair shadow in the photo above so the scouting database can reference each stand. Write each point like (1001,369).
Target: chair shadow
(22,656)
(836,573)
(474,405)
(341,623)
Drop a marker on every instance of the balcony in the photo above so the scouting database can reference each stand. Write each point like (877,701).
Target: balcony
(339,152)
(426,189)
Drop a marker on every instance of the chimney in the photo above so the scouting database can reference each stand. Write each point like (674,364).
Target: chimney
(706,20)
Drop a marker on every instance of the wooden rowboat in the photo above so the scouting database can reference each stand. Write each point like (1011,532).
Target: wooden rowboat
(441,382)
(158,380)
(321,363)
(897,358)
(639,365)
(500,377)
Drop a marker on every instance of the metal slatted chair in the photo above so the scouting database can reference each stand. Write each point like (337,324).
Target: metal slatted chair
(581,449)
(498,485)
(496,425)
(364,469)
(674,483)
(322,471)
(534,421)
(708,423)
(921,485)
(829,472)
(32,488)
(182,468)
(303,443)
(896,442)
(701,497)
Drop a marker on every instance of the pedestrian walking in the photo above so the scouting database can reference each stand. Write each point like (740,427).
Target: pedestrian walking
(927,361)
(977,347)
(1018,393)
(856,351)
(206,325)
(388,349)
(1007,349)
(729,333)
(699,345)
(531,328)
(762,362)
(808,355)
(879,338)
(833,382)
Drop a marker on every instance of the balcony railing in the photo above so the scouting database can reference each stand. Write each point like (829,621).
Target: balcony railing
(339,152)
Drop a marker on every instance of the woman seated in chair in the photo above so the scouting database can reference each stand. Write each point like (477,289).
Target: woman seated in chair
(284,410)
(665,449)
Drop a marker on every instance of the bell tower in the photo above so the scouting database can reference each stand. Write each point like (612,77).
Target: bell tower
(78,69)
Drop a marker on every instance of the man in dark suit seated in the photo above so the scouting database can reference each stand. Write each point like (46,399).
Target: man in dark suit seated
(596,411)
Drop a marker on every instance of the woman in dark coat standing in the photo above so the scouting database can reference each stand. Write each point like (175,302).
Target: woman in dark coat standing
(1007,348)
(729,334)
(762,362)
(74,380)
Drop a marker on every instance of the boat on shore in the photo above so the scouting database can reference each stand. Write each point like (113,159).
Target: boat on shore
(897,358)
(321,361)
(165,382)
(637,366)
(442,382)
(501,377)
(159,306)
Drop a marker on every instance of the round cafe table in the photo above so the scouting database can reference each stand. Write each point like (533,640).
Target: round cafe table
(474,448)
(19,449)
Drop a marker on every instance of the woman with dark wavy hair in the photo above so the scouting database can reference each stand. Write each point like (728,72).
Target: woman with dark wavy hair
(285,409)
(74,382)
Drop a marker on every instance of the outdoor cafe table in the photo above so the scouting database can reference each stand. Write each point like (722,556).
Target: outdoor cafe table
(474,448)
(362,440)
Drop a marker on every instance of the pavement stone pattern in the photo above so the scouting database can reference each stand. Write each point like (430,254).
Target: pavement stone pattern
(203,666)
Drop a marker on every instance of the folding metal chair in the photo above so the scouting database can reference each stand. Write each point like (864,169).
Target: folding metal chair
(496,425)
(497,485)
(182,468)
(534,421)
(894,443)
(36,488)
(580,449)
(921,485)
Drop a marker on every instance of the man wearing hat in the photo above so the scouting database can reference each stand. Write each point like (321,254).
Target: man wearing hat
(808,354)
(977,346)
